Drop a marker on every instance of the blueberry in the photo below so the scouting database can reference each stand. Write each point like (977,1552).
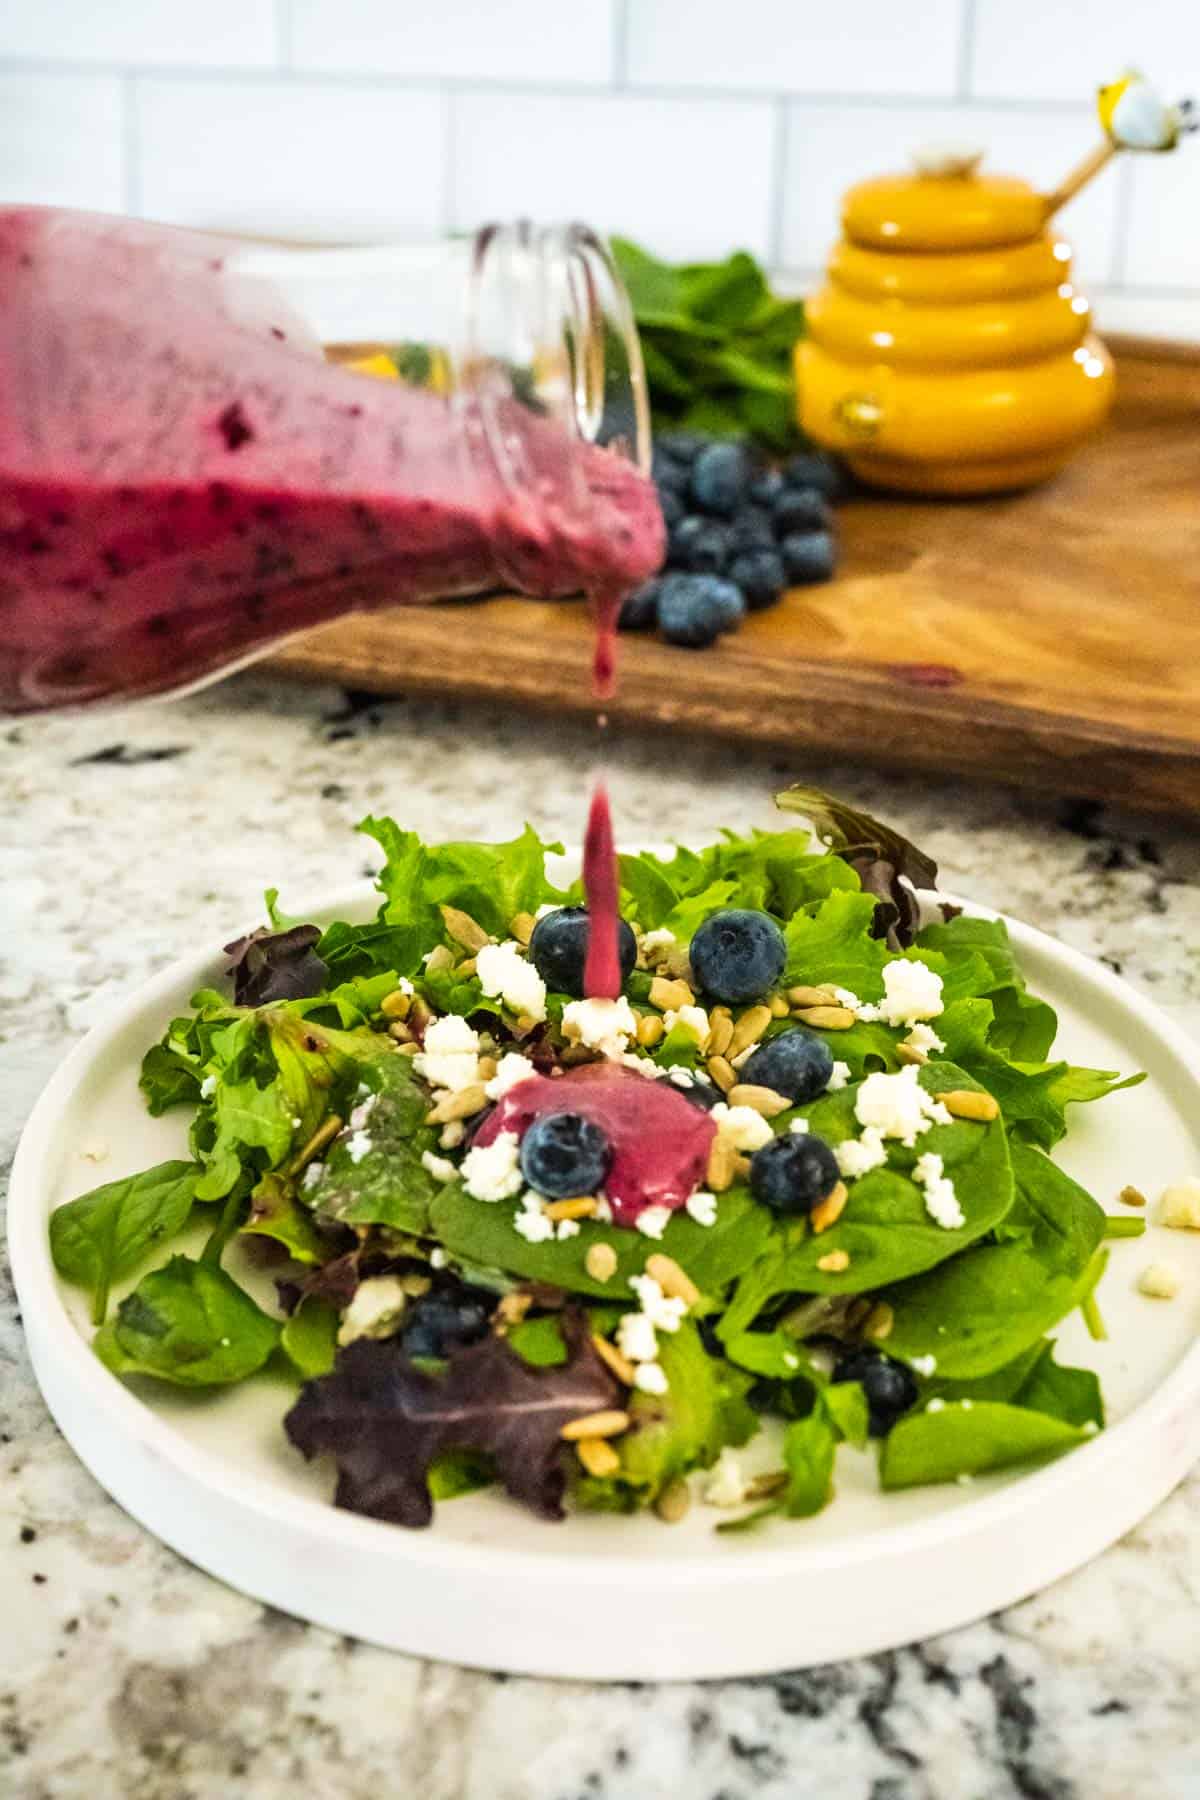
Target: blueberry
(766,487)
(701,545)
(813,469)
(701,1093)
(751,528)
(720,476)
(690,613)
(759,574)
(793,1172)
(559,945)
(801,509)
(563,1154)
(890,1386)
(796,1063)
(808,556)
(666,472)
(439,1321)
(672,506)
(738,955)
(728,599)
(639,611)
(683,446)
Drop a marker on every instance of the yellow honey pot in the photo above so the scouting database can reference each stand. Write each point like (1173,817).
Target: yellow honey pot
(947,351)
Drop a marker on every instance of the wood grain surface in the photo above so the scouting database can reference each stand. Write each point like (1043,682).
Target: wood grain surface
(1049,638)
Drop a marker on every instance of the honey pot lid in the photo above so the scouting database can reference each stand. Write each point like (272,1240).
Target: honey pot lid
(946,204)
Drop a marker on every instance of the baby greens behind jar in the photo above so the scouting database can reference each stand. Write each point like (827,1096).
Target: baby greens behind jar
(874,1245)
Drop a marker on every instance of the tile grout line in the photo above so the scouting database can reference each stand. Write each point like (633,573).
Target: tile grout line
(284,37)
(966,47)
(777,189)
(131,147)
(449,160)
(1122,222)
(620,44)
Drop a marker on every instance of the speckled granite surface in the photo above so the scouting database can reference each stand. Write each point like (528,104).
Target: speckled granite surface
(125,840)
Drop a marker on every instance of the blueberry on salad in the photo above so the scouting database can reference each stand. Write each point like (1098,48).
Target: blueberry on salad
(563,1154)
(738,955)
(559,946)
(797,1064)
(793,1174)
(890,1386)
(444,1319)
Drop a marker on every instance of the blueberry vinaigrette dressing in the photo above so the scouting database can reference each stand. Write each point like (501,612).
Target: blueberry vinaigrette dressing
(660,1140)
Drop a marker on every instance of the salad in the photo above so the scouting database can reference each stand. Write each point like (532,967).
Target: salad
(795,1180)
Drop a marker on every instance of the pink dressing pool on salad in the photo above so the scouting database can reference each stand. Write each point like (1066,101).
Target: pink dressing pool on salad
(660,1140)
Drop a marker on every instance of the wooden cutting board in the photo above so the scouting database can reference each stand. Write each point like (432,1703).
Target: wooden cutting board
(1049,638)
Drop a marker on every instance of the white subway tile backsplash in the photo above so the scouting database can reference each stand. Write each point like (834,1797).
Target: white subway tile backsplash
(183,33)
(688,177)
(1059,50)
(1162,249)
(519,40)
(831,146)
(61,141)
(298,159)
(851,47)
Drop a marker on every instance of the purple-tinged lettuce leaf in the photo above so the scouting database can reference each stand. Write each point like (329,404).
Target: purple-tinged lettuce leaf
(887,864)
(387,1421)
(276,965)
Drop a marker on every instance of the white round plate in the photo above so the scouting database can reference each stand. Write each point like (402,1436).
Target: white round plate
(607,1598)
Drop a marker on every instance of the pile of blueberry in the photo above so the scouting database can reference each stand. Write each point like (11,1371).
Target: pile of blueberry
(739,533)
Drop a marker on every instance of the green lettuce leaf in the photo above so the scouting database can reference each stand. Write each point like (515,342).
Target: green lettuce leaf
(970,1439)
(309,1337)
(188,1323)
(104,1234)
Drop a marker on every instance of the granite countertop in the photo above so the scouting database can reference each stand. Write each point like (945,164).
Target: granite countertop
(127,839)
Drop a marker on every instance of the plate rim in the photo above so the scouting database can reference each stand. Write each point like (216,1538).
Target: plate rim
(36,1284)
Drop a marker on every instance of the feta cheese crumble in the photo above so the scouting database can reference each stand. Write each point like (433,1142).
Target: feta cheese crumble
(374,1311)
(653,1220)
(1161,1280)
(925,1365)
(839,1076)
(692,1019)
(866,1010)
(741,1127)
(208,1087)
(438,1258)
(512,1070)
(311,1176)
(680,1077)
(799,1127)
(567,1228)
(923,1039)
(505,972)
(363,1111)
(531,1222)
(651,1378)
(911,991)
(491,1171)
(637,1339)
(358,1145)
(702,1207)
(726,1485)
(658,941)
(603,1025)
(1180,1209)
(440,1167)
(664,1313)
(941,1201)
(898,1106)
(449,1056)
(936,1405)
(858,1156)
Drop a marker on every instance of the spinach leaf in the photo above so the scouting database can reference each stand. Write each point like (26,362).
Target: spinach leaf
(885,1229)
(190,1324)
(969,1439)
(309,1337)
(483,1232)
(1025,1027)
(977,1313)
(104,1234)
(1072,1395)
(682,1429)
(809,1446)
(275,1212)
